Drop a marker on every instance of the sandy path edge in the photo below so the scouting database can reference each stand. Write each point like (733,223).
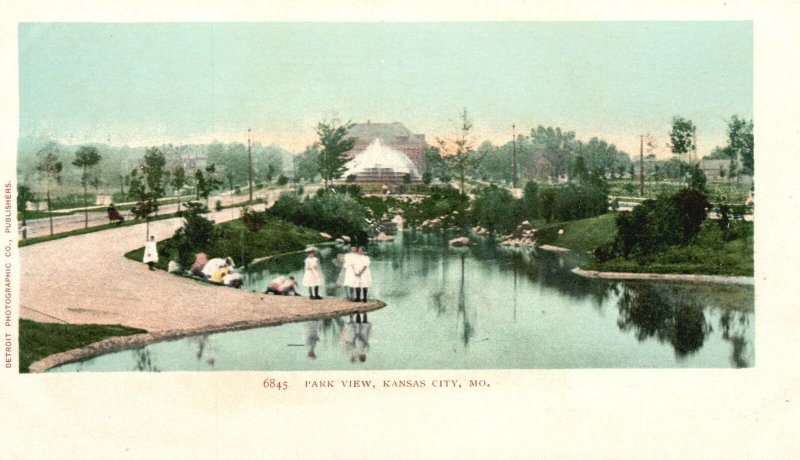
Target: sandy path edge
(718,279)
(120,343)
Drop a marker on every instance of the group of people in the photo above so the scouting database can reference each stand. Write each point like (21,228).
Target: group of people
(355,275)
(217,270)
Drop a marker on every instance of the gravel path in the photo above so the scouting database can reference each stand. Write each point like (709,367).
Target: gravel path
(86,279)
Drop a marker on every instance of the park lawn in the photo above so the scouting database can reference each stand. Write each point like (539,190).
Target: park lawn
(581,235)
(39,340)
(277,236)
(706,254)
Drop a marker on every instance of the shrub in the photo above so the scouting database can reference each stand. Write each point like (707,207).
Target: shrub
(218,205)
(282,180)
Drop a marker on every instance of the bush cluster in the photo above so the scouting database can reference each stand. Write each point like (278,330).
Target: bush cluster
(657,224)
(336,213)
(572,202)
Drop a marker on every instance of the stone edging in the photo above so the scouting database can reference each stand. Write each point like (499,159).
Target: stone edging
(121,343)
(738,280)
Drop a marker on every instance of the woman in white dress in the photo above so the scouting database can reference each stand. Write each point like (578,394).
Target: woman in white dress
(150,252)
(312,277)
(364,275)
(350,278)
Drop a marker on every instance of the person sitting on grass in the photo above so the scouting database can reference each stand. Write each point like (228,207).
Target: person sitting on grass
(215,264)
(282,286)
(200,261)
(219,274)
(233,280)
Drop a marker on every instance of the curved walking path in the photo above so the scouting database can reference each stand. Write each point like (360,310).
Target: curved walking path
(85,279)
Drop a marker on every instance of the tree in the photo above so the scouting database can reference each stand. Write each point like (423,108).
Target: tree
(85,158)
(49,169)
(334,144)
(558,146)
(206,183)
(306,165)
(178,181)
(24,195)
(434,164)
(456,152)
(150,187)
(682,135)
(740,142)
(579,169)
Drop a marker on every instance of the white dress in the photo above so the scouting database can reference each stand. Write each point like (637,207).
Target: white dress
(212,266)
(365,280)
(150,252)
(350,278)
(312,276)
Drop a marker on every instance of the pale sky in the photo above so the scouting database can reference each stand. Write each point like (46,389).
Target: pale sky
(145,84)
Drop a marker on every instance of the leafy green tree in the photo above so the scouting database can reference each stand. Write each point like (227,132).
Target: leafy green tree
(306,165)
(85,158)
(530,200)
(682,135)
(178,181)
(49,169)
(24,195)
(557,146)
(434,164)
(740,142)
(579,169)
(697,179)
(495,209)
(334,144)
(206,183)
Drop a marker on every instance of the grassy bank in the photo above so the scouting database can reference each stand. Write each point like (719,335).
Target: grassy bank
(581,235)
(707,254)
(275,237)
(39,340)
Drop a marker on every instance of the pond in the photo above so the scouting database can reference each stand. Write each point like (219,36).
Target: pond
(481,307)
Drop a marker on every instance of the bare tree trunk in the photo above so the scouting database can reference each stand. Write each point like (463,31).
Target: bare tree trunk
(85,201)
(50,211)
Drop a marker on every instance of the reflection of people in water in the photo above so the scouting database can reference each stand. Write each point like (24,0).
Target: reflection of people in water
(361,340)
(312,337)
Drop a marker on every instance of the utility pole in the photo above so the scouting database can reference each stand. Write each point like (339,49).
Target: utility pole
(514,155)
(641,165)
(694,145)
(250,164)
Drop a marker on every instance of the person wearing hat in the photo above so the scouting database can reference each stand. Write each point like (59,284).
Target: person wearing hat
(312,277)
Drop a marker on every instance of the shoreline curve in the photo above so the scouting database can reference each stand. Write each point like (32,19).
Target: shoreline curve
(121,343)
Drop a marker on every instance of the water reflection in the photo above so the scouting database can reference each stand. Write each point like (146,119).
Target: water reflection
(482,306)
(661,312)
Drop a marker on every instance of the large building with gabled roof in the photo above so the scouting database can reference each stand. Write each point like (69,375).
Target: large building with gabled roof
(392,135)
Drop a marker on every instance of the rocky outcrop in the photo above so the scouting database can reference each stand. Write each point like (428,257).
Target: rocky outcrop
(523,236)
(459,242)
(382,237)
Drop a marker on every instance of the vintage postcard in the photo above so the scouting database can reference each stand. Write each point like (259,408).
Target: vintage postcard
(227,215)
